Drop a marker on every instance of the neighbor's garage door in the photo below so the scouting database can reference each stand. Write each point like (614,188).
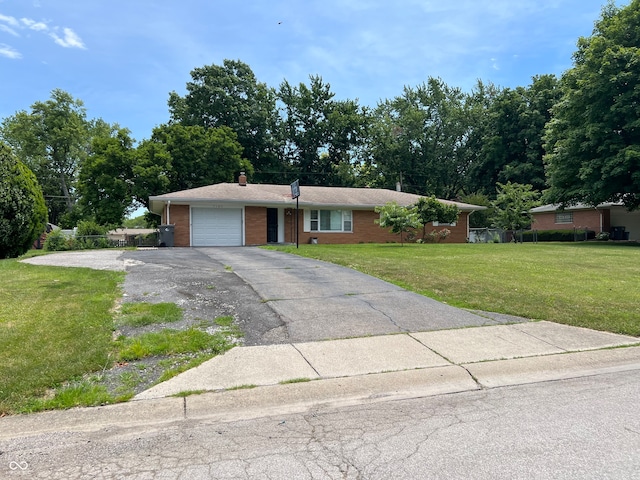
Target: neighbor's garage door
(216,227)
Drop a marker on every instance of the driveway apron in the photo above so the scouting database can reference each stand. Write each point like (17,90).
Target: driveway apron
(317,300)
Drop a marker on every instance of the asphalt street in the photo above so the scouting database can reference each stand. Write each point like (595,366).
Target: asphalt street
(586,428)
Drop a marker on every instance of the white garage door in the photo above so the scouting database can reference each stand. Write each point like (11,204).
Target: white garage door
(216,227)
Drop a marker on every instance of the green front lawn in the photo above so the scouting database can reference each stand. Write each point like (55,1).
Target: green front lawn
(55,325)
(594,285)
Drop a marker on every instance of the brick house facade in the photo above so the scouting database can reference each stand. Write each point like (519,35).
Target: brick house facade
(596,220)
(243,214)
(606,217)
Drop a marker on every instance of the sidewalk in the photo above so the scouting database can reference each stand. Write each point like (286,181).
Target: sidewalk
(276,379)
(492,355)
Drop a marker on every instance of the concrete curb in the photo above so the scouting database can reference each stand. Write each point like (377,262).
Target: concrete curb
(520,371)
(290,398)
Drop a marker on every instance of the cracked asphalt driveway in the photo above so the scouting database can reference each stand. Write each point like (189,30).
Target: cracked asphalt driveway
(317,300)
(275,297)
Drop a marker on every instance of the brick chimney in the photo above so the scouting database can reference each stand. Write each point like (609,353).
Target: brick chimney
(242,180)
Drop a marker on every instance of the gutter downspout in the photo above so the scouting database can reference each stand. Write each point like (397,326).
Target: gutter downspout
(601,218)
(468,224)
(168,214)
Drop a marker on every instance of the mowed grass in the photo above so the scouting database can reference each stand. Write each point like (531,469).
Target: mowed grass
(594,285)
(55,325)
(141,314)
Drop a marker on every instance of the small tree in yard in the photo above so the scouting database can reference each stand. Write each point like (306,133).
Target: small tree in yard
(430,209)
(398,219)
(512,206)
(23,213)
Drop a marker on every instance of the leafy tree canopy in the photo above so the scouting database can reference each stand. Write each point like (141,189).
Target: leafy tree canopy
(512,131)
(320,134)
(229,95)
(420,140)
(23,213)
(52,141)
(105,179)
(179,157)
(593,139)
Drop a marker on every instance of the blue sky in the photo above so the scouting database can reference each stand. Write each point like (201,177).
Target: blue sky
(123,57)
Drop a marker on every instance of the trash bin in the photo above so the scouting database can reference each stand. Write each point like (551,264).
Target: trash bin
(165,235)
(618,233)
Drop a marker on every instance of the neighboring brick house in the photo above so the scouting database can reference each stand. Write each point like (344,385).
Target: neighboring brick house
(607,217)
(229,214)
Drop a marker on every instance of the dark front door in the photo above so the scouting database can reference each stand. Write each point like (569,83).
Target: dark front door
(272,225)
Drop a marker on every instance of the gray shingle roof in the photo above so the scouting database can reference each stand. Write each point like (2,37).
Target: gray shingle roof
(280,195)
(554,207)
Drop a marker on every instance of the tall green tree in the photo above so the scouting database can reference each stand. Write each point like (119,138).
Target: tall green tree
(23,214)
(320,134)
(106,176)
(481,100)
(229,95)
(151,170)
(52,141)
(512,206)
(512,147)
(593,139)
(420,140)
(181,157)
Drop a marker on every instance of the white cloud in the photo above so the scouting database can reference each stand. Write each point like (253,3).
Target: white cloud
(70,40)
(9,30)
(10,20)
(33,25)
(9,52)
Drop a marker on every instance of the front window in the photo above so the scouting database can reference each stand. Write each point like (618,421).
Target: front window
(440,224)
(564,217)
(330,220)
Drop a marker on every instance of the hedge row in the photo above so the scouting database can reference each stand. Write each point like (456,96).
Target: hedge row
(57,242)
(558,235)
